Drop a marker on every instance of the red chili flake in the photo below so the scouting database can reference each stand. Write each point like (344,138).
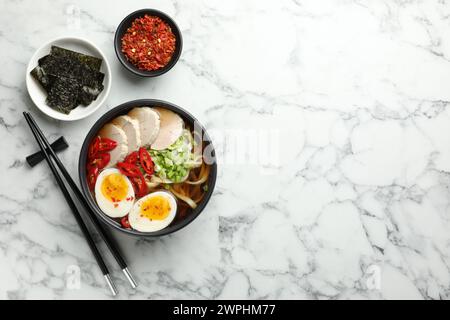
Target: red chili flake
(116,205)
(149,43)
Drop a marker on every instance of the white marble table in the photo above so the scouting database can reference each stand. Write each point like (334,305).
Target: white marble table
(348,196)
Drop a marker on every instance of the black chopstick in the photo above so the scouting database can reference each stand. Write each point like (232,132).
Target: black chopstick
(72,206)
(112,246)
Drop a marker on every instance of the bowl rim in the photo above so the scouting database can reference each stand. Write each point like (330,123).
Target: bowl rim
(108,116)
(127,21)
(106,90)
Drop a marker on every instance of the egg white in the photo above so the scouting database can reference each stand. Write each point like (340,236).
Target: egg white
(144,224)
(123,207)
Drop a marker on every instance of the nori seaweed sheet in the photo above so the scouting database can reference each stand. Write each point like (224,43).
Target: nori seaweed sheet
(63,95)
(89,94)
(72,68)
(39,74)
(90,79)
(70,78)
(92,62)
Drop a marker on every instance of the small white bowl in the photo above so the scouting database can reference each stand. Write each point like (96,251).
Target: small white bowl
(38,94)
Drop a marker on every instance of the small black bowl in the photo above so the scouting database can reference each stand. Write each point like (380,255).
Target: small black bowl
(177,224)
(126,23)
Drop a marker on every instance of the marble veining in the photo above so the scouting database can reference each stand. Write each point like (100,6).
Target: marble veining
(350,200)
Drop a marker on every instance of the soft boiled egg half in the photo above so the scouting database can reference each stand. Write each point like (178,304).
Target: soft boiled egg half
(114,193)
(153,212)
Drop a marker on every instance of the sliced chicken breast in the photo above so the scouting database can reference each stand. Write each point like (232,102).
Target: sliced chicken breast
(171,128)
(115,133)
(131,128)
(149,123)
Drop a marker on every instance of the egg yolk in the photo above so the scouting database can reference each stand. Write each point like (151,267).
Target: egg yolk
(114,187)
(155,208)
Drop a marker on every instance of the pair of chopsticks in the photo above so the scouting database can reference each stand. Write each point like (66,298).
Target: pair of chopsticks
(48,154)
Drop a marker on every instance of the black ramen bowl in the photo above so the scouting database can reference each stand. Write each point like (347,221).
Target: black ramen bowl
(126,23)
(176,224)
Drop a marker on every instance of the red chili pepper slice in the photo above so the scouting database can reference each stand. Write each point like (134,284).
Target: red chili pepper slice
(129,169)
(146,161)
(106,144)
(94,147)
(100,160)
(140,187)
(131,158)
(100,145)
(125,223)
(92,175)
